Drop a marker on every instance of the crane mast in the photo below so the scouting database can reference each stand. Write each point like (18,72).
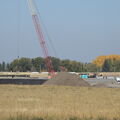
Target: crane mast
(40,34)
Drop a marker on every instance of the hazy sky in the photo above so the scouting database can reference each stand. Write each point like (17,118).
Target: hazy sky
(80,29)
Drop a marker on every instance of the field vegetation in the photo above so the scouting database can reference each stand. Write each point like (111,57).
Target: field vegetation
(58,103)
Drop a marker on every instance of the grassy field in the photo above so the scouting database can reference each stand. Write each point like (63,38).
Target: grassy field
(58,103)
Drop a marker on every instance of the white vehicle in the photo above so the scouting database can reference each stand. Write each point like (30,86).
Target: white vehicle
(118,79)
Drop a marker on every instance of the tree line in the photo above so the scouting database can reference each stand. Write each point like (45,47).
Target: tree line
(38,65)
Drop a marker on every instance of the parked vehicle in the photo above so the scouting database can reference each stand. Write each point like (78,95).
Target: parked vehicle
(118,79)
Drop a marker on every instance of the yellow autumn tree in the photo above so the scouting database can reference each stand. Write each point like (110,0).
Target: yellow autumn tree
(99,61)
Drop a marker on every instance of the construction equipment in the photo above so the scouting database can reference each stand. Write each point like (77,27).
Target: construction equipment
(41,38)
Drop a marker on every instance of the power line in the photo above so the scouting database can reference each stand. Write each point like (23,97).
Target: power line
(46,31)
(18,27)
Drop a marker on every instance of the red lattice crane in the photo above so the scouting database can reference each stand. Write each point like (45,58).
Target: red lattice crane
(41,38)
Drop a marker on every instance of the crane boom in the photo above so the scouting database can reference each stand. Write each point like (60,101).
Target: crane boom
(32,7)
(41,38)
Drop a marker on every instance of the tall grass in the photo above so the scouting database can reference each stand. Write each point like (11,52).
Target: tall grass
(58,103)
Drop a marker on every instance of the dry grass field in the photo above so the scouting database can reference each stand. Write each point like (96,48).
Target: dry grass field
(59,103)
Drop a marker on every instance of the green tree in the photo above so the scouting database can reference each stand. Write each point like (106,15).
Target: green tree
(22,65)
(56,63)
(3,66)
(75,66)
(38,64)
(91,67)
(14,66)
(8,67)
(0,67)
(25,64)
(72,66)
(107,66)
(116,66)
(65,63)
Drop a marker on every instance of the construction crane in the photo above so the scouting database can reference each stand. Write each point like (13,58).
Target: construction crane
(41,38)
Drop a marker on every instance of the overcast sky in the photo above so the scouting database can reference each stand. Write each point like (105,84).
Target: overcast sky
(80,29)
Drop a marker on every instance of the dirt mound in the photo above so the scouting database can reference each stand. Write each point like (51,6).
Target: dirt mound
(67,79)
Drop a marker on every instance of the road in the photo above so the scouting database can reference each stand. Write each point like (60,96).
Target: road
(103,82)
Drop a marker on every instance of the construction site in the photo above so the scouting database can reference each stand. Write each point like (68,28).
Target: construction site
(110,80)
(53,77)
(58,95)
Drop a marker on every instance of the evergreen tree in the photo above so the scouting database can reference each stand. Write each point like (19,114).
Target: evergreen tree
(8,67)
(0,67)
(3,66)
(107,66)
(117,66)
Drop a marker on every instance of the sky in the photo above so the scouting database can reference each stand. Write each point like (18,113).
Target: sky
(78,29)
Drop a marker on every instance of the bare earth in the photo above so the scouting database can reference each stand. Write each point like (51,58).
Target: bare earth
(67,79)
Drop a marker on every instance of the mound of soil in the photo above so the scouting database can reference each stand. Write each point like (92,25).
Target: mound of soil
(67,79)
